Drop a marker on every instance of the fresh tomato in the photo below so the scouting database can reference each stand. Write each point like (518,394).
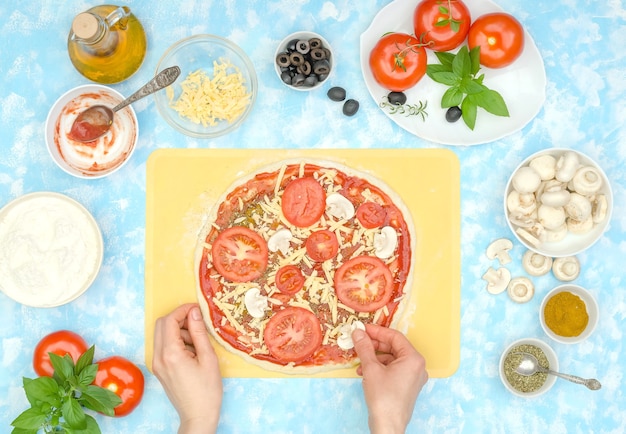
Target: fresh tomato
(398,61)
(322,245)
(61,342)
(293,334)
(500,37)
(240,254)
(443,24)
(304,202)
(371,215)
(289,279)
(124,378)
(364,283)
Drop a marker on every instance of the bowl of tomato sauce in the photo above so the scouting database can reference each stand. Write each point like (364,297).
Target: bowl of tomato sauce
(100,157)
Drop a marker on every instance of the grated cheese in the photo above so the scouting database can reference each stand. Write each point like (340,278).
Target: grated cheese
(207,100)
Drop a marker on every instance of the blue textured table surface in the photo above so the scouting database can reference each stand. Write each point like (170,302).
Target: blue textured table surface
(582,45)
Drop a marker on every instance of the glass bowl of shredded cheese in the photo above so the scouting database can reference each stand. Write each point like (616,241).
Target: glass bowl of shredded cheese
(216,89)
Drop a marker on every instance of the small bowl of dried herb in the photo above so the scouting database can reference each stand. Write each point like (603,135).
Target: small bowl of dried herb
(532,385)
(569,314)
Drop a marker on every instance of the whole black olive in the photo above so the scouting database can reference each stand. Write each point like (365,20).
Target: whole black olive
(453,114)
(397,98)
(350,107)
(336,93)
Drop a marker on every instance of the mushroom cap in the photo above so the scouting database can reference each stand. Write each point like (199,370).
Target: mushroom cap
(551,217)
(536,264)
(497,280)
(499,249)
(521,289)
(526,180)
(566,268)
(545,165)
(587,180)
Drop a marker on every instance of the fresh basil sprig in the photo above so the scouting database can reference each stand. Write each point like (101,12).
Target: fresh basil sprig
(465,87)
(57,403)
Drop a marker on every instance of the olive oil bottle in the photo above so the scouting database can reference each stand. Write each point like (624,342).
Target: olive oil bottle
(107,44)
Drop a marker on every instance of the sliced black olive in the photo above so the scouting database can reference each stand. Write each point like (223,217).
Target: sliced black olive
(305,68)
(321,67)
(315,43)
(283,59)
(286,77)
(322,77)
(336,93)
(397,98)
(296,58)
(453,114)
(350,107)
(298,80)
(291,45)
(311,81)
(317,54)
(303,46)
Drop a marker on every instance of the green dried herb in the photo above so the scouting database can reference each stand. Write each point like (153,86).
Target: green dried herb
(406,109)
(524,383)
(57,403)
(465,87)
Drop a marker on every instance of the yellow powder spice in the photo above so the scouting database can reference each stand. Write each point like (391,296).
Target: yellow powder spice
(566,314)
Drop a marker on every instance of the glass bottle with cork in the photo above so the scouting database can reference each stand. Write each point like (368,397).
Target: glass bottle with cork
(107,44)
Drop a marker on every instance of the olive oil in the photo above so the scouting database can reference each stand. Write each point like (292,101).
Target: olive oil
(107,44)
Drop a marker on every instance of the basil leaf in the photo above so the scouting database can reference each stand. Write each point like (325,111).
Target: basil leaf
(461,65)
(470,86)
(85,360)
(445,58)
(24,431)
(447,78)
(91,428)
(42,389)
(468,110)
(73,414)
(475,59)
(30,419)
(87,375)
(493,102)
(435,68)
(63,366)
(452,97)
(99,399)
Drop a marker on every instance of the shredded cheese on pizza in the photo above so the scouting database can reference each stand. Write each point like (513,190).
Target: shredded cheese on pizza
(208,100)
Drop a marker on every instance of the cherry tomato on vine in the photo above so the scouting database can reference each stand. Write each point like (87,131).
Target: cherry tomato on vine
(398,61)
(500,37)
(61,342)
(124,378)
(443,24)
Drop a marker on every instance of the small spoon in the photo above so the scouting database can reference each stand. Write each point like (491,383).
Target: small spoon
(529,365)
(95,121)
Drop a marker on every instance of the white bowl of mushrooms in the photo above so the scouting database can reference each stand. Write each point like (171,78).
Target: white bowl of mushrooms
(558,202)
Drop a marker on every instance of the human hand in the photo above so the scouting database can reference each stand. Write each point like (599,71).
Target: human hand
(186,365)
(393,376)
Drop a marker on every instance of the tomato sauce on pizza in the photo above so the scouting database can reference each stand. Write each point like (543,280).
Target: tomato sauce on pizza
(292,257)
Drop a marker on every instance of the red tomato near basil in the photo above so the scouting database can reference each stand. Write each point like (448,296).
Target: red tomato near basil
(443,24)
(322,245)
(239,254)
(500,37)
(303,202)
(124,378)
(289,279)
(364,283)
(61,342)
(398,61)
(293,334)
(371,215)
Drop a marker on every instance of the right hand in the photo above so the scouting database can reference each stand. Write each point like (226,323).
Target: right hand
(393,376)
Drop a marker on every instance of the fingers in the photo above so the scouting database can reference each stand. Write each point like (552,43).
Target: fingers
(167,330)
(364,347)
(389,341)
(199,336)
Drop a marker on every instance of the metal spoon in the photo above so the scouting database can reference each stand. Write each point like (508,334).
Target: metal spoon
(96,120)
(529,365)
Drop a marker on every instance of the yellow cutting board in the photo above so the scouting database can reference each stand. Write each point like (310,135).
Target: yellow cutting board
(183,184)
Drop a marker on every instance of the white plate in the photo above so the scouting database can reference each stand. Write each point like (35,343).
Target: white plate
(51,249)
(521,84)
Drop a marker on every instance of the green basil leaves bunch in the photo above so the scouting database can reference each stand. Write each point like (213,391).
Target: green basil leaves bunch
(465,87)
(57,403)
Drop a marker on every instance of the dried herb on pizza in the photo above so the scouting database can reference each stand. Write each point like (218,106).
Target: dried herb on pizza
(294,257)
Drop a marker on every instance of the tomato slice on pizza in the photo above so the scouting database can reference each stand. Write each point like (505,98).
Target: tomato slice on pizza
(292,254)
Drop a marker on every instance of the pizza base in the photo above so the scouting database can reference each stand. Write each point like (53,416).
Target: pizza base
(291,368)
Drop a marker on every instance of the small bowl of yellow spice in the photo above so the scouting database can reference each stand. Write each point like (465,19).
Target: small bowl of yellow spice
(216,89)
(569,314)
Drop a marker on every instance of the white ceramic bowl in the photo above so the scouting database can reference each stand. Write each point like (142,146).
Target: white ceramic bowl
(552,361)
(590,304)
(103,156)
(51,249)
(198,53)
(573,243)
(283,47)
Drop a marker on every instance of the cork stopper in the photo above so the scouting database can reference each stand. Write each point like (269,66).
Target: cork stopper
(85,25)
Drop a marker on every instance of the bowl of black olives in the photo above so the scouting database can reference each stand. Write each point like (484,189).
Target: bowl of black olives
(303,60)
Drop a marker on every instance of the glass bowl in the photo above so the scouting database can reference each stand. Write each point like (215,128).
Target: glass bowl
(207,56)
(555,243)
(592,311)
